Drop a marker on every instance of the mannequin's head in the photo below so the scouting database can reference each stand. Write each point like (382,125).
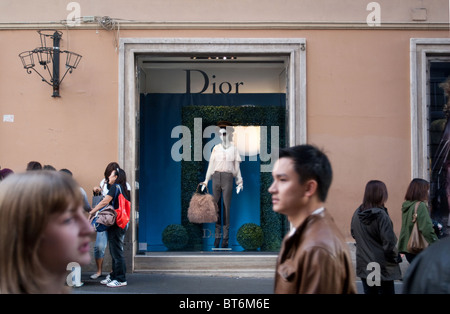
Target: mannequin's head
(225,136)
(225,131)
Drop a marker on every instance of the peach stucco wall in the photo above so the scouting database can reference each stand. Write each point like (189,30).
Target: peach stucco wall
(169,11)
(358,106)
(359,112)
(77,131)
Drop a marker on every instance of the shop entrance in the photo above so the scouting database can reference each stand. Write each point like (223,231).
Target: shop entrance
(181,100)
(173,61)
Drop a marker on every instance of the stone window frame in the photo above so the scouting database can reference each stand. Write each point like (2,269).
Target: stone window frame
(293,48)
(421,50)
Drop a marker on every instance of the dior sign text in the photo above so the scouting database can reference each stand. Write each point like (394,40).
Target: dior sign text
(217,87)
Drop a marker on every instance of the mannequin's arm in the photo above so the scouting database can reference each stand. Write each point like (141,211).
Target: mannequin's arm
(239,180)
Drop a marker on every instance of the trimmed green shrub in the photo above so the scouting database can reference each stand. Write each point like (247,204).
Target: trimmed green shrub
(175,237)
(250,236)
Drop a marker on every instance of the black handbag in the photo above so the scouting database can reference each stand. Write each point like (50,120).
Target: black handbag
(97,197)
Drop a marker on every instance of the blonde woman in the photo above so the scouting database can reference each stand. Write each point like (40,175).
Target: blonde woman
(43,228)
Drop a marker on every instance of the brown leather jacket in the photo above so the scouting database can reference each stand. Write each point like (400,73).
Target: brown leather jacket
(315,259)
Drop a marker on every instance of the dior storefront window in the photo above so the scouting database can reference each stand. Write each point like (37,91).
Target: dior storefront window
(184,102)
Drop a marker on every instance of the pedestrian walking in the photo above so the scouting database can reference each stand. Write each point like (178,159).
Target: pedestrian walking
(418,191)
(116,235)
(101,240)
(373,231)
(314,256)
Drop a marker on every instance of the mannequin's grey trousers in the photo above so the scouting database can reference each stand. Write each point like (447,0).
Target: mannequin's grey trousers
(222,184)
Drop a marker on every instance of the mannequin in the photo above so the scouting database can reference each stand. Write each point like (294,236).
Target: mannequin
(223,167)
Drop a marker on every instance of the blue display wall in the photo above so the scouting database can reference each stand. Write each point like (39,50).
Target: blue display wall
(161,180)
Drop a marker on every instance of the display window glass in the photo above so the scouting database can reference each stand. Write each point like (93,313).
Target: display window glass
(439,141)
(183,101)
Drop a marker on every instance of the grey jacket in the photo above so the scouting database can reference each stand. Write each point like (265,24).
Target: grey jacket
(375,242)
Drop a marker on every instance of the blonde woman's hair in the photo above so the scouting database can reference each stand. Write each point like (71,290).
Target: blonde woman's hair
(27,201)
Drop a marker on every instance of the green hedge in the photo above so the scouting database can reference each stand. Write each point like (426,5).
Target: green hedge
(192,172)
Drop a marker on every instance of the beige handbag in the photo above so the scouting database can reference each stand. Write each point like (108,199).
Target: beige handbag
(417,242)
(202,208)
(103,219)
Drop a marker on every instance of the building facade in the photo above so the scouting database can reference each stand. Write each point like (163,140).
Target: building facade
(359,79)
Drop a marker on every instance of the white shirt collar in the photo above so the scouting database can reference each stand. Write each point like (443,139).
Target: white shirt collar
(316,212)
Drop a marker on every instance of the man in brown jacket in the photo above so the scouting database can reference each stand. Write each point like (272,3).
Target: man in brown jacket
(314,257)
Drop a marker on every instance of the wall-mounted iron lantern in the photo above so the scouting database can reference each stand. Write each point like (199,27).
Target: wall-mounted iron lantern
(46,55)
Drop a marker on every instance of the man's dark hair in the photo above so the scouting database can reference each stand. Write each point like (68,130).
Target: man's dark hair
(311,163)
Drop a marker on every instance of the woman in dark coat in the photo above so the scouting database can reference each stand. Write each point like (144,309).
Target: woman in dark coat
(377,257)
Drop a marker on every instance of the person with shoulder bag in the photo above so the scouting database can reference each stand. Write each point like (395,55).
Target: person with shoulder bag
(101,240)
(116,234)
(417,192)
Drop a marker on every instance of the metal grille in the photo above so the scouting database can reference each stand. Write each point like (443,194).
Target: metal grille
(439,71)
